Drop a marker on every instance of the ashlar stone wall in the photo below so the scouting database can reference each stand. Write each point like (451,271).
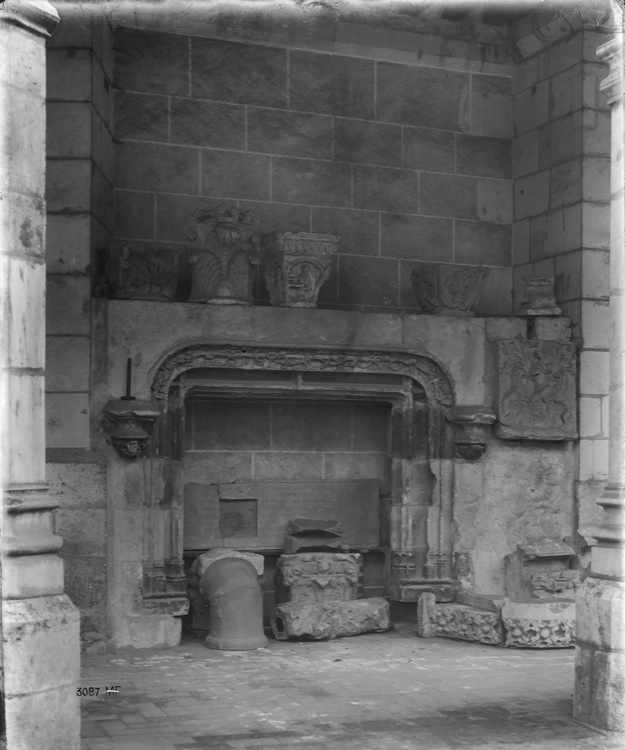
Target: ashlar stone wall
(561,169)
(314,141)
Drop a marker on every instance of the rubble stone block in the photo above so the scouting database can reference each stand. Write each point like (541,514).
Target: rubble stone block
(330,620)
(545,624)
(221,70)
(434,150)
(323,183)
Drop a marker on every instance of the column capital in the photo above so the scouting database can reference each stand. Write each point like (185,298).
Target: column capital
(37,16)
(612,53)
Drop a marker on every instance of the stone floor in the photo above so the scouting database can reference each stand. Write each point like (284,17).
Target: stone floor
(372,692)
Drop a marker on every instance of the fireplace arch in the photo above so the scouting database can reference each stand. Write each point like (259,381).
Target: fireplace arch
(420,393)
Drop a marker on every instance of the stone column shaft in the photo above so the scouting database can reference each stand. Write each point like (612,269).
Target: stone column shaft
(600,603)
(40,624)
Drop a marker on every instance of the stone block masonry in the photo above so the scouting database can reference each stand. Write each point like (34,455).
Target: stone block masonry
(313,141)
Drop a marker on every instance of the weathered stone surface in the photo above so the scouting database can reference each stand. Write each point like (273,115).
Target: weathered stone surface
(235,72)
(425,148)
(483,157)
(457,621)
(164,168)
(331,84)
(550,329)
(211,124)
(322,183)
(368,281)
(359,141)
(539,624)
(403,89)
(331,620)
(318,577)
(448,195)
(386,189)
(487,243)
(275,131)
(491,106)
(358,229)
(142,117)
(417,237)
(536,390)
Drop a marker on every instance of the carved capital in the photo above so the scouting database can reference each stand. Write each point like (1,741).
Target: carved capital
(296,266)
(37,16)
(448,289)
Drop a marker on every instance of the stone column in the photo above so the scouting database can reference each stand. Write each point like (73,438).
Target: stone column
(600,603)
(40,624)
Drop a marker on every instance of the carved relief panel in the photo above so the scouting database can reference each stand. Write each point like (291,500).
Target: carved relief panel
(535,390)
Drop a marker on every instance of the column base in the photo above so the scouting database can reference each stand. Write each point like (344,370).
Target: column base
(41,672)
(600,655)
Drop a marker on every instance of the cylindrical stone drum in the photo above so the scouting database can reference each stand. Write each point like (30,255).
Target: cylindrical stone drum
(230,586)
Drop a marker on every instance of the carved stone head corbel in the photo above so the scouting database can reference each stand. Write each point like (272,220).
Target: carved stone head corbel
(471,430)
(128,426)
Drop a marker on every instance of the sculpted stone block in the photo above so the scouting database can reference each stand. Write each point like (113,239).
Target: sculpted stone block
(321,622)
(296,265)
(457,621)
(138,271)
(541,570)
(226,251)
(539,624)
(535,390)
(318,577)
(446,289)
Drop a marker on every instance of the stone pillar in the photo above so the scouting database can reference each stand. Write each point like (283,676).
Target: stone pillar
(600,603)
(40,624)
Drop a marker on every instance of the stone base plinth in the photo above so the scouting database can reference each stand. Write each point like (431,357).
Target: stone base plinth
(321,622)
(41,673)
(600,655)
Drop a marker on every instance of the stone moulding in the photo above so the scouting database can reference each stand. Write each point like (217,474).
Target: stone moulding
(430,375)
(471,428)
(448,289)
(224,256)
(296,266)
(124,422)
(535,390)
(539,297)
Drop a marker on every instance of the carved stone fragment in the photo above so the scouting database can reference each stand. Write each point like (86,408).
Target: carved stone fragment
(136,270)
(224,256)
(539,624)
(541,569)
(305,534)
(457,621)
(296,266)
(448,289)
(539,297)
(318,577)
(535,390)
(322,622)
(471,430)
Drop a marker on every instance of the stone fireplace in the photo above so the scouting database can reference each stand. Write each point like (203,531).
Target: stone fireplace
(258,415)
